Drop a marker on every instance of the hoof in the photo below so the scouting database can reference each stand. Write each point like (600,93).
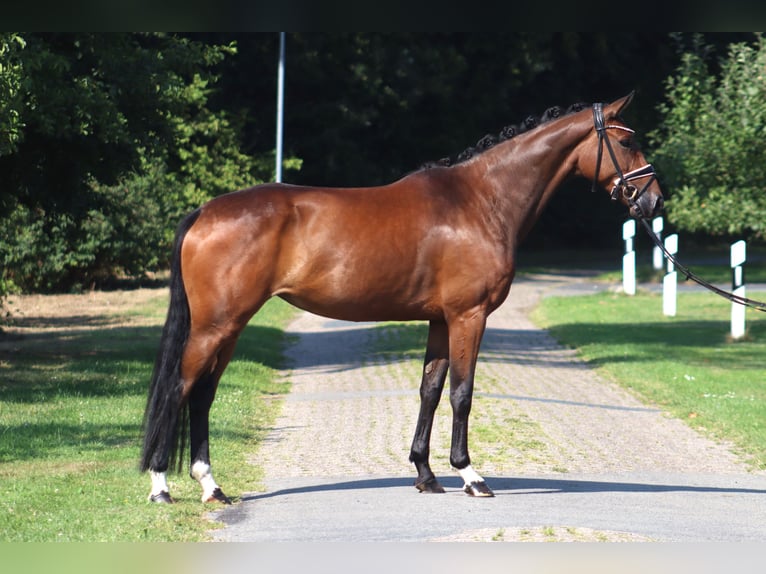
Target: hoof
(161,498)
(218,496)
(430,485)
(478,489)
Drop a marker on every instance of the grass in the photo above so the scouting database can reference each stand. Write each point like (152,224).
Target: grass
(710,263)
(71,406)
(686,364)
(716,274)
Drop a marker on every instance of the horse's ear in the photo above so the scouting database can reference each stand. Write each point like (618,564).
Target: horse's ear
(616,107)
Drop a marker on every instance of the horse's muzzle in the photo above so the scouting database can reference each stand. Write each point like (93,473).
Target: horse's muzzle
(647,206)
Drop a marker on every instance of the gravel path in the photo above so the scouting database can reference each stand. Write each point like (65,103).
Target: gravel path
(538,412)
(352,413)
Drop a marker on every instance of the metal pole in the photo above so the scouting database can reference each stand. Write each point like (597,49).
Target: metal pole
(280,105)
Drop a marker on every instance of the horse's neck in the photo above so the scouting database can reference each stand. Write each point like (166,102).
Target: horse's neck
(522,174)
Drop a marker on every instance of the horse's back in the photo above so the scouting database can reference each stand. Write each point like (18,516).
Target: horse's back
(400,251)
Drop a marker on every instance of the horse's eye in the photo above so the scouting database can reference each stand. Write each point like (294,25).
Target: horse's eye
(627,143)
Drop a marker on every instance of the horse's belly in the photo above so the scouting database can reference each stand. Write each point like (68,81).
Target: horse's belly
(362,305)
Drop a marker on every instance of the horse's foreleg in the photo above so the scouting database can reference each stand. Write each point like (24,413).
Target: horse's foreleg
(434,375)
(465,339)
(200,400)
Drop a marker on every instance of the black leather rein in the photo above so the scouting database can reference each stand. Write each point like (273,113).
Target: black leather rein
(760,306)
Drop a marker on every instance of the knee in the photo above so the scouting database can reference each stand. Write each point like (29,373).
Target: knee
(430,393)
(433,381)
(461,405)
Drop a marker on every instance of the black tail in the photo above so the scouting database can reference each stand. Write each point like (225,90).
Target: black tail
(165,418)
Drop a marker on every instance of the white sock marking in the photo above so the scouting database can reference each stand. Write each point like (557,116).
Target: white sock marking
(201,472)
(469,475)
(159,483)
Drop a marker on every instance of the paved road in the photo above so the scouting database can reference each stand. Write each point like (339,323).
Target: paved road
(569,455)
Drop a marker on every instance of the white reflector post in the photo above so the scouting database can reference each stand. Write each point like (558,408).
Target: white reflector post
(738,255)
(670,281)
(657,256)
(629,259)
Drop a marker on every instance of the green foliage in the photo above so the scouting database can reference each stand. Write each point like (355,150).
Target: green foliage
(107,140)
(123,231)
(10,83)
(710,142)
(70,414)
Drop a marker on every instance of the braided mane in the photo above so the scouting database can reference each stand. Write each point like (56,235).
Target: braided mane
(509,131)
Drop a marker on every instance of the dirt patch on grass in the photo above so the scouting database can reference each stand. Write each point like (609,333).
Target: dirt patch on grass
(54,312)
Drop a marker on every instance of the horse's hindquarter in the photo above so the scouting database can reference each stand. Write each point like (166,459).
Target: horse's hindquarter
(386,253)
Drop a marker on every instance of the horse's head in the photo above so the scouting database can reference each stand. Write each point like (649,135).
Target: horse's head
(622,171)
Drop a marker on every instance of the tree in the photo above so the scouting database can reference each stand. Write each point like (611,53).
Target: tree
(710,141)
(106,140)
(10,83)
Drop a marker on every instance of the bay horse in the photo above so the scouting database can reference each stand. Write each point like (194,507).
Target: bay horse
(438,245)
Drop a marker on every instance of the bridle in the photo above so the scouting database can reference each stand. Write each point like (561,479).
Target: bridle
(622,186)
(622,183)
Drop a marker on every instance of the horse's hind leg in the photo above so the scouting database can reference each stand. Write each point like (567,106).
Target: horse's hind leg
(201,399)
(206,355)
(434,374)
